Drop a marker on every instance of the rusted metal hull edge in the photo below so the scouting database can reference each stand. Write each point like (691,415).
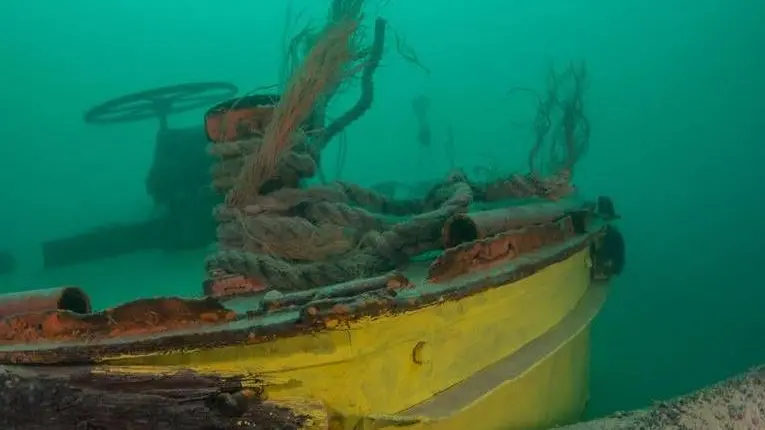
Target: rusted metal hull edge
(302,324)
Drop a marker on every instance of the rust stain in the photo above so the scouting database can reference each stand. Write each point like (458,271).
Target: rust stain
(236,124)
(141,317)
(483,253)
(398,282)
(244,117)
(39,397)
(239,118)
(471,226)
(90,352)
(67,298)
(335,312)
(232,285)
(388,283)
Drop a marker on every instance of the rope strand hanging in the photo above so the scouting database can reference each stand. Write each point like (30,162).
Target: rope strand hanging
(279,234)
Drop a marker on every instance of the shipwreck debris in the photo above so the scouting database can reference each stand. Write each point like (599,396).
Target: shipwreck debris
(466,227)
(71,299)
(88,397)
(277,233)
(510,244)
(140,317)
(225,285)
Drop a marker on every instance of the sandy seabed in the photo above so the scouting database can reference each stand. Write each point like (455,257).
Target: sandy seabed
(737,403)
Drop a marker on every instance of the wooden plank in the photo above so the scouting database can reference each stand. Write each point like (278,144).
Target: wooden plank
(92,398)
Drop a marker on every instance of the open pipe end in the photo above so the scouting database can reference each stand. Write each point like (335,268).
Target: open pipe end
(459,229)
(74,299)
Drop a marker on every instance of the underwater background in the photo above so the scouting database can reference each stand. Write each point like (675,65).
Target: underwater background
(676,101)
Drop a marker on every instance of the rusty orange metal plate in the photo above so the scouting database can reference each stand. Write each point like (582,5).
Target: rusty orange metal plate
(240,118)
(478,254)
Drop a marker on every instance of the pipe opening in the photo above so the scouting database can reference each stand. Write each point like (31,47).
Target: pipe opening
(459,230)
(75,300)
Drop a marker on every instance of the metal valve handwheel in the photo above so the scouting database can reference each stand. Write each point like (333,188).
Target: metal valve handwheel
(160,103)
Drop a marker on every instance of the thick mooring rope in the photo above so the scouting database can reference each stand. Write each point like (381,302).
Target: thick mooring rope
(297,239)
(279,233)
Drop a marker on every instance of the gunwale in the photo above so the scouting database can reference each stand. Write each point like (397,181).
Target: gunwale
(265,327)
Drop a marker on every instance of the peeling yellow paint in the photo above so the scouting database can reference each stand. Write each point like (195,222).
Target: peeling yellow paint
(379,366)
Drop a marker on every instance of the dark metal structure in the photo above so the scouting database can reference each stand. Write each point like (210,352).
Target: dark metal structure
(178,180)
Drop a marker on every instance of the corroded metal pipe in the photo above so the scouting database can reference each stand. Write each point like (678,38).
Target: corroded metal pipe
(471,226)
(72,299)
(472,256)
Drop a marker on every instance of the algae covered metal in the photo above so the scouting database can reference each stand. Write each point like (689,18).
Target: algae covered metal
(335,306)
(376,352)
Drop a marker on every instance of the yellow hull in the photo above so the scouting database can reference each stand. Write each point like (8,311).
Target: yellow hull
(553,392)
(542,385)
(512,356)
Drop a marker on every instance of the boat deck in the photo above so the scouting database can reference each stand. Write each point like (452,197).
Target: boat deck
(247,318)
